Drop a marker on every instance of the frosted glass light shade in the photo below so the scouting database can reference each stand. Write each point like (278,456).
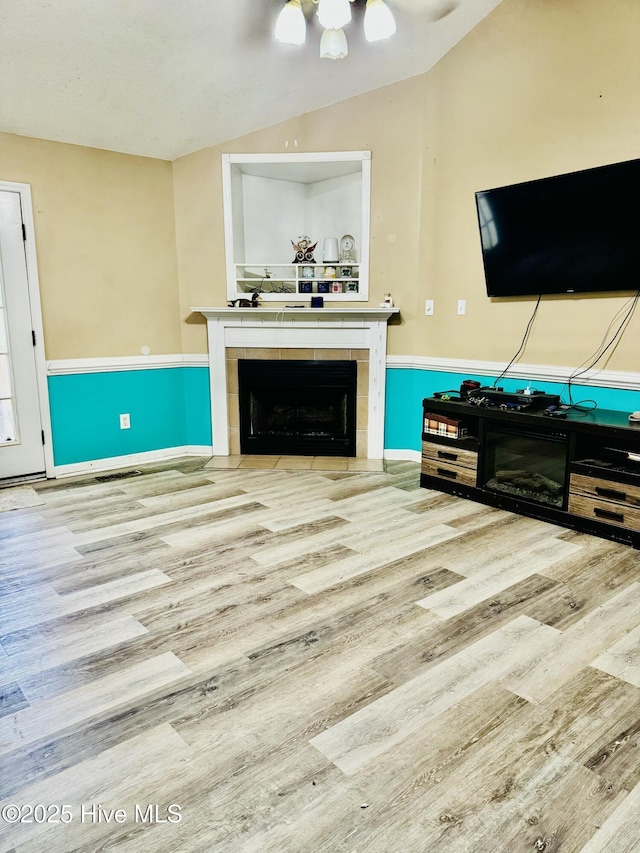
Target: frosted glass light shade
(379,23)
(334,14)
(290,26)
(333,45)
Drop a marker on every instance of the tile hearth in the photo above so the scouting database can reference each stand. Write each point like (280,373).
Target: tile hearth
(298,463)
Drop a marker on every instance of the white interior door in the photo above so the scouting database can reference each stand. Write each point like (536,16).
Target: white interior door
(21,442)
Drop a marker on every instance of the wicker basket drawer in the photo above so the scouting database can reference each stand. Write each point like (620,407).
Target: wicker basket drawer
(605,490)
(449,471)
(459,457)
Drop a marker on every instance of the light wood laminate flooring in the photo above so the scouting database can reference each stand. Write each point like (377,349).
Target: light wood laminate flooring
(203,658)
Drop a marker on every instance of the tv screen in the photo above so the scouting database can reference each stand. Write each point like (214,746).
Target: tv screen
(574,233)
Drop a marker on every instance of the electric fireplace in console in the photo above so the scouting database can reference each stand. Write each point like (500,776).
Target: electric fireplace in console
(582,472)
(300,408)
(525,464)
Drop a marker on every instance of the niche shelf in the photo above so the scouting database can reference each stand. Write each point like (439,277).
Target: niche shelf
(270,200)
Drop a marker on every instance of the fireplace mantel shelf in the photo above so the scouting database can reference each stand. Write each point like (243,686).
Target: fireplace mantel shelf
(282,316)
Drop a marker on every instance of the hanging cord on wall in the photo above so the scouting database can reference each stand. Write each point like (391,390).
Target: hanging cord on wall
(593,359)
(523,342)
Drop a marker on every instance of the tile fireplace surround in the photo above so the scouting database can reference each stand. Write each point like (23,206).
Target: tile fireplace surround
(304,333)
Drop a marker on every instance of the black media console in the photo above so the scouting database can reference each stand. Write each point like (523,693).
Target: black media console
(581,472)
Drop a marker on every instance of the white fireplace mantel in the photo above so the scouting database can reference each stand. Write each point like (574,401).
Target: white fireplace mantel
(317,328)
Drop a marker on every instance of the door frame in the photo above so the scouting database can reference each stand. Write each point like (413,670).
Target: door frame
(33,284)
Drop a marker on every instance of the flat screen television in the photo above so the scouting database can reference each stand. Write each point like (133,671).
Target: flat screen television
(573,233)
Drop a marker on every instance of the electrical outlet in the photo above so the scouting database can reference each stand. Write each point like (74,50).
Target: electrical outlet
(462,306)
(125,421)
(428,307)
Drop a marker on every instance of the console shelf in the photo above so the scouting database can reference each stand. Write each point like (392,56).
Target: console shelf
(582,472)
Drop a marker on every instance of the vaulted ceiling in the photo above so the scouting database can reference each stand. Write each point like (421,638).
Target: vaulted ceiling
(163,78)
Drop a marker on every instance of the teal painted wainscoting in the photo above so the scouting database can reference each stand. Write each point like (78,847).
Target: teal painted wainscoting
(168,407)
(197,397)
(407,387)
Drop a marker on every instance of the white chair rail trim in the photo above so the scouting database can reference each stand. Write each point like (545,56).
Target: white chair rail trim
(530,372)
(110,364)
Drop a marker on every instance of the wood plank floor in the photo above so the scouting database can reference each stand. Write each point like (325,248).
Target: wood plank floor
(304,661)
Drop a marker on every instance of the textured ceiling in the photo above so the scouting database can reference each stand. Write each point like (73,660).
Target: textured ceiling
(163,78)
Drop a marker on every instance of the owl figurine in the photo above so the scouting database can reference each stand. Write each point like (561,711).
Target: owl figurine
(304,250)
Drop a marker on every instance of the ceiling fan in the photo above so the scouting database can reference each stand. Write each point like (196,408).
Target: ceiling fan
(433,10)
(333,15)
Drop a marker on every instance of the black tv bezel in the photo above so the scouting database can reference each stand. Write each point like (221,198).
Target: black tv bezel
(520,293)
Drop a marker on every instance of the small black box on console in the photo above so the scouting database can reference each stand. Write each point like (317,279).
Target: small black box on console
(510,399)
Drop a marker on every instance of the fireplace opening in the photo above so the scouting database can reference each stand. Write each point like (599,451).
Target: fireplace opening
(526,465)
(300,408)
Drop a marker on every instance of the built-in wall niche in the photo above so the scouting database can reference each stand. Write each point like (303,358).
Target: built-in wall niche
(271,200)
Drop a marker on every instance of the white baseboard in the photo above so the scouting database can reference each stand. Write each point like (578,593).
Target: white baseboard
(114,462)
(403,455)
(111,462)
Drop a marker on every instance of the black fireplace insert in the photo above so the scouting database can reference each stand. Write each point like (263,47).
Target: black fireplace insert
(526,464)
(299,408)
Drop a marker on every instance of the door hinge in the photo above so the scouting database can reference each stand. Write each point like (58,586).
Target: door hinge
(42,434)
(24,232)
(33,337)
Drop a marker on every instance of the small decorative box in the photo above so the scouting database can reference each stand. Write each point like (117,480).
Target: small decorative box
(336,287)
(306,287)
(441,425)
(324,287)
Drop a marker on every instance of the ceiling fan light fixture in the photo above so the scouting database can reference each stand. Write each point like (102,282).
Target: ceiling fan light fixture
(291,27)
(333,44)
(379,22)
(334,14)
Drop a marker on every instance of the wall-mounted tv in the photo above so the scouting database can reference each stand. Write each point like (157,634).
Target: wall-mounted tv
(573,233)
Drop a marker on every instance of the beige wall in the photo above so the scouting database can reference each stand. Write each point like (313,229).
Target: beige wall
(126,245)
(200,241)
(350,125)
(105,245)
(538,88)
